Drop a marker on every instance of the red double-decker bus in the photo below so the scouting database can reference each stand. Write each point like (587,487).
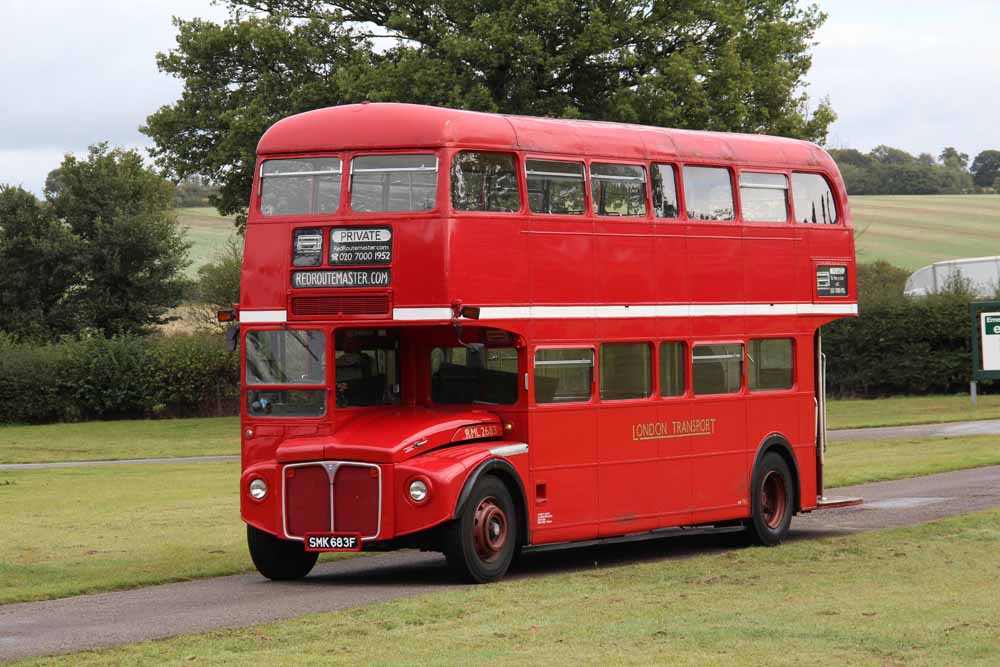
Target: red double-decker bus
(478,333)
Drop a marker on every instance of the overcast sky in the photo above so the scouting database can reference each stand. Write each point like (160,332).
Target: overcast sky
(916,74)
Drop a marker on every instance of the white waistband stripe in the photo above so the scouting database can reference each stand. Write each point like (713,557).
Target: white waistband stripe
(608,312)
(593,312)
(263,316)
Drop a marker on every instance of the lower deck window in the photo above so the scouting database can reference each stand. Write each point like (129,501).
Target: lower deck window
(672,372)
(458,377)
(626,371)
(367,367)
(564,375)
(770,364)
(287,403)
(717,369)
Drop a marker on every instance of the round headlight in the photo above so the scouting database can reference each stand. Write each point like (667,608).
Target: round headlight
(418,491)
(258,489)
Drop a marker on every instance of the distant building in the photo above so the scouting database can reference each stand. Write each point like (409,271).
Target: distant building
(982,274)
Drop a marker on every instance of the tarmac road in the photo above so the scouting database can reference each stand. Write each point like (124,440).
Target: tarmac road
(92,621)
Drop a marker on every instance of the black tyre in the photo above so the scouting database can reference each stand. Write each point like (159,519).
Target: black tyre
(480,544)
(277,559)
(772,500)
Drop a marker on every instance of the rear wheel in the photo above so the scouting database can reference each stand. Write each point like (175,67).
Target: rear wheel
(481,542)
(772,500)
(279,559)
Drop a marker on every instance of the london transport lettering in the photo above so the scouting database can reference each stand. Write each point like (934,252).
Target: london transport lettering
(360,246)
(673,429)
(342,278)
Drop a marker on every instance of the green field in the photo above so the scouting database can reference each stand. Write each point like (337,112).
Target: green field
(901,410)
(116,440)
(207,231)
(922,595)
(915,230)
(136,525)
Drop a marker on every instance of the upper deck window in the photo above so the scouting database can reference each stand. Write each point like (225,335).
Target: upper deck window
(388,183)
(708,192)
(484,182)
(301,186)
(665,191)
(813,199)
(555,187)
(618,189)
(764,197)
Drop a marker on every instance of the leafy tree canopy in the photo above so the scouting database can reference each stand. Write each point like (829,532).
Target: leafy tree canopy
(38,254)
(103,252)
(986,168)
(736,65)
(886,170)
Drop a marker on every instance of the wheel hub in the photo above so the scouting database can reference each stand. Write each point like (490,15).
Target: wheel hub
(773,499)
(489,529)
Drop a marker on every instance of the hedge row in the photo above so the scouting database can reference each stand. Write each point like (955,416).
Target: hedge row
(117,378)
(909,346)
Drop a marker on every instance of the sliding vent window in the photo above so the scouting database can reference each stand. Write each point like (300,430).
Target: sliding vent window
(393,183)
(717,369)
(484,182)
(626,371)
(618,189)
(673,359)
(764,197)
(665,191)
(708,193)
(563,375)
(555,187)
(300,187)
(813,199)
(770,364)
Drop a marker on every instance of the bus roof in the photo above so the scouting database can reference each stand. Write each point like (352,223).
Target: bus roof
(392,126)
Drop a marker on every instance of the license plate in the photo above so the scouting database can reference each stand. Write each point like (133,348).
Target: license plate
(333,541)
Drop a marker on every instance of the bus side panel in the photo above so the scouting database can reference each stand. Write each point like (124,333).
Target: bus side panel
(720,478)
(630,476)
(675,487)
(714,263)
(564,471)
(561,262)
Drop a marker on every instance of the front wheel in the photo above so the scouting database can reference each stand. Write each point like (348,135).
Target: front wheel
(772,500)
(481,542)
(277,559)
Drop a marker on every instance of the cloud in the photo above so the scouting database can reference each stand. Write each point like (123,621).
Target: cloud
(911,75)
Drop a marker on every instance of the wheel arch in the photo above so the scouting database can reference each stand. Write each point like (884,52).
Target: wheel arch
(776,442)
(507,474)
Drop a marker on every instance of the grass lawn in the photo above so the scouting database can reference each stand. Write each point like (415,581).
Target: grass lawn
(903,410)
(97,441)
(861,461)
(145,524)
(915,230)
(923,595)
(118,440)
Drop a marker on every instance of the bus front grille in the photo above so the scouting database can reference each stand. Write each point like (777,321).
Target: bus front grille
(348,493)
(305,306)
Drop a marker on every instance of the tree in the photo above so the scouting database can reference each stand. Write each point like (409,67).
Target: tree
(39,256)
(132,253)
(986,168)
(951,158)
(735,65)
